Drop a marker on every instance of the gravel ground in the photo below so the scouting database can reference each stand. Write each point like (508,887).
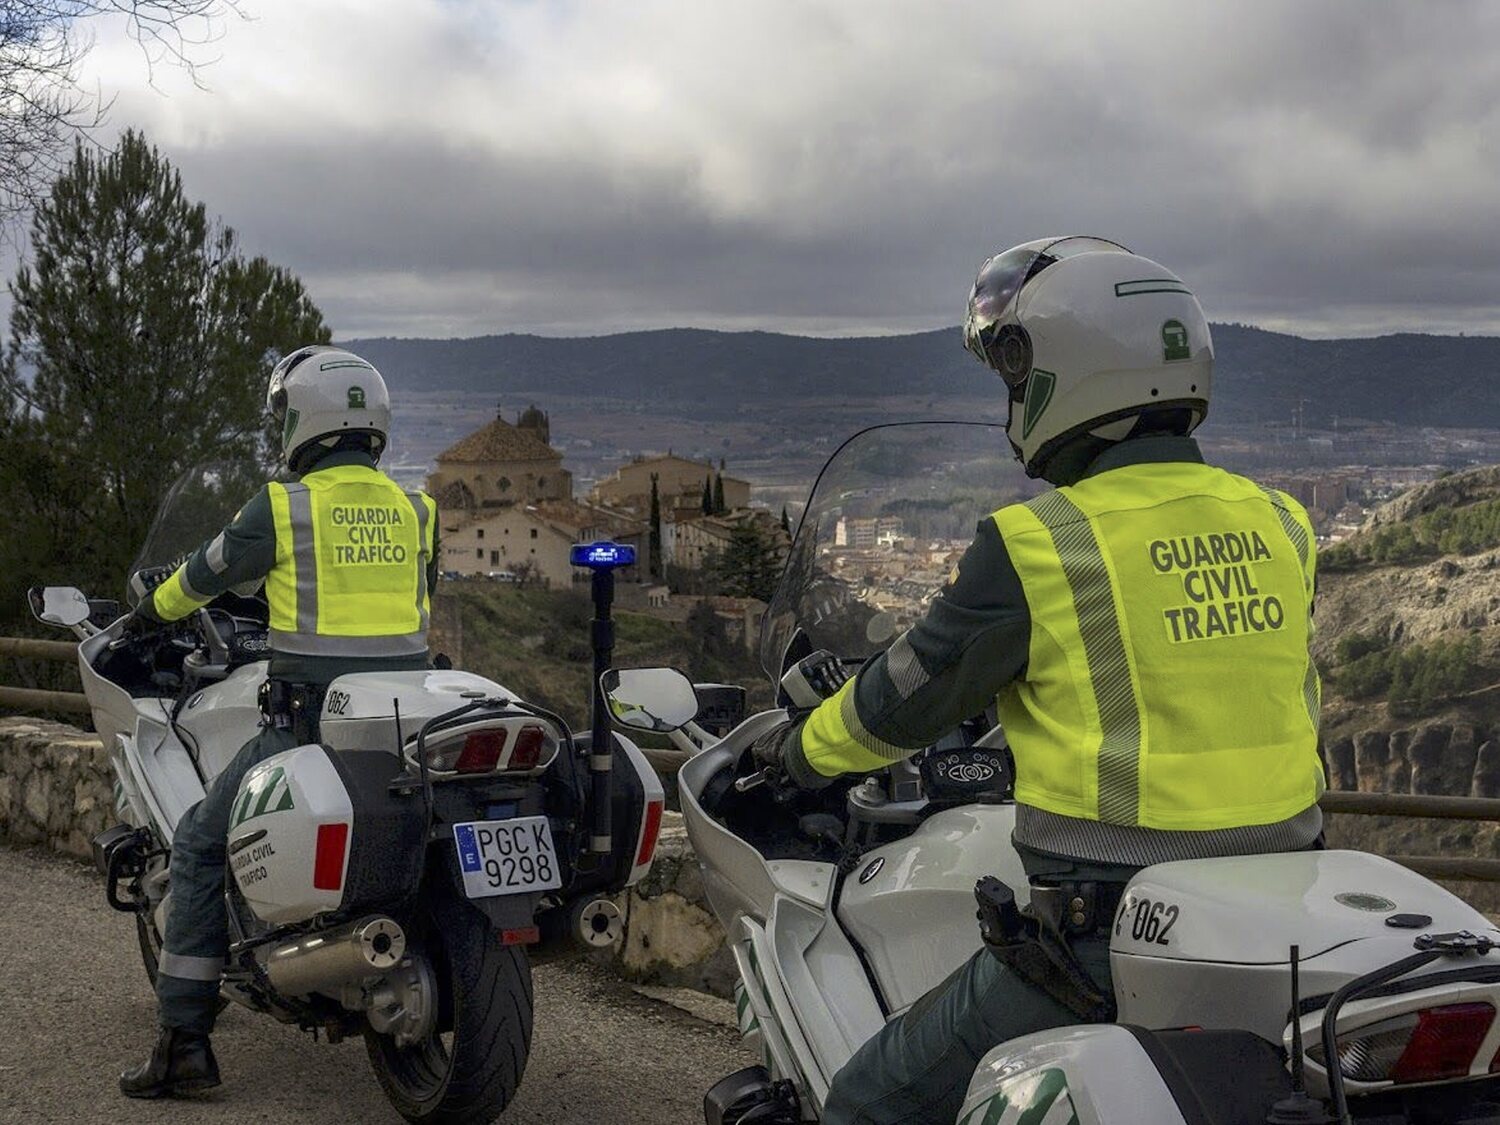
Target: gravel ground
(76,1008)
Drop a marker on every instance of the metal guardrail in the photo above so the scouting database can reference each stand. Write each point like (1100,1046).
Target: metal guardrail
(1411,804)
(64,651)
(1475,869)
(35,699)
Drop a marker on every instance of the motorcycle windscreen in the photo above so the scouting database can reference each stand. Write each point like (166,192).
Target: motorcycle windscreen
(887,520)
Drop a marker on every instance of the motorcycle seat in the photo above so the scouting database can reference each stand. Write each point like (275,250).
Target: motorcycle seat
(1218,1077)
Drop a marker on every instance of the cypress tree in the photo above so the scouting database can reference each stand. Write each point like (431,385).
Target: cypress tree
(708,497)
(786,523)
(655,550)
(719,506)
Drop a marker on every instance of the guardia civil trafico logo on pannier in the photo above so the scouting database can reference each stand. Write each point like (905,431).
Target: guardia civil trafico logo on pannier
(264,792)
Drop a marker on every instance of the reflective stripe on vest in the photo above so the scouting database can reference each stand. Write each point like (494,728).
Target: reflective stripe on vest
(350,577)
(1109,668)
(1312,687)
(1168,682)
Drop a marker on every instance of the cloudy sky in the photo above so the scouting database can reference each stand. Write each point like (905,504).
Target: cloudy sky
(456,167)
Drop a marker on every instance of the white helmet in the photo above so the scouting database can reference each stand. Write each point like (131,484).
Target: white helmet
(1089,338)
(322,392)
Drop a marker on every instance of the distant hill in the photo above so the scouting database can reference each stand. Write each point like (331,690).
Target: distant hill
(1408,378)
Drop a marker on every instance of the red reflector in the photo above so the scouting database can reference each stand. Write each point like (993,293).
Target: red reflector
(481,751)
(528,749)
(328,857)
(649,832)
(1444,1043)
(524,935)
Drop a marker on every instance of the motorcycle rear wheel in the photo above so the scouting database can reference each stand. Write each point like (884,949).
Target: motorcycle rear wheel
(468,1068)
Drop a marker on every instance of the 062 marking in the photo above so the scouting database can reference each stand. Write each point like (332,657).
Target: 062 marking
(1150,921)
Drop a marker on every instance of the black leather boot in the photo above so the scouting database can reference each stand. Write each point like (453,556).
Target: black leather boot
(181,1063)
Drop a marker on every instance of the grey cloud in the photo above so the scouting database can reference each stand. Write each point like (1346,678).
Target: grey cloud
(843,166)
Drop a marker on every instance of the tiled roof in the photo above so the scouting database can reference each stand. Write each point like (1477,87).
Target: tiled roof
(575,516)
(671,458)
(500,441)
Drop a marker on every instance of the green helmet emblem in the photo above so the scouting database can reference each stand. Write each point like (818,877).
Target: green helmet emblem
(1174,341)
(356,398)
(1039,389)
(290,427)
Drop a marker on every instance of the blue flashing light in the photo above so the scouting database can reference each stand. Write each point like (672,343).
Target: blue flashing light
(602,556)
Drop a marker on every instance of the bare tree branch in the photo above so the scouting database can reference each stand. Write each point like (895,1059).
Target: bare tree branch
(43,106)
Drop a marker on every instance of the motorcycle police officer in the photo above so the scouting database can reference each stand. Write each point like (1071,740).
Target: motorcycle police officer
(1145,627)
(339,602)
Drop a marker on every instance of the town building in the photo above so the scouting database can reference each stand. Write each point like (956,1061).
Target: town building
(506,508)
(530,543)
(679,483)
(864,533)
(501,464)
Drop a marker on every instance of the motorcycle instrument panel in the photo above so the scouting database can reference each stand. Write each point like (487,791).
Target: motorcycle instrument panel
(506,857)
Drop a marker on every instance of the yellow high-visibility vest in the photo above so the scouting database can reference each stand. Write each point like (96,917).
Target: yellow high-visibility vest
(1169,683)
(350,578)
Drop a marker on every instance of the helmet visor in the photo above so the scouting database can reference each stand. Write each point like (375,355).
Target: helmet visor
(989,328)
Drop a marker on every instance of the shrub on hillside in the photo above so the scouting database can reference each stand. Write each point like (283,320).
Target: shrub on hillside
(1414,679)
(1445,531)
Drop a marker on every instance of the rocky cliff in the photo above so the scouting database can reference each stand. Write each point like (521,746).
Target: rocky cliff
(1408,640)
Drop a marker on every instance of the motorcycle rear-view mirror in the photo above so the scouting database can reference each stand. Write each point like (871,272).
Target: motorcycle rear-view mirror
(63,606)
(649,699)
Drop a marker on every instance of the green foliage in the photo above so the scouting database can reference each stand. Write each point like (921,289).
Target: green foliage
(708,496)
(1445,531)
(750,564)
(1353,646)
(720,508)
(140,343)
(536,642)
(1415,679)
(654,550)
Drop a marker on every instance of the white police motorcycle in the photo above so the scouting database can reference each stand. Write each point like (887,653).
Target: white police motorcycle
(386,879)
(1329,986)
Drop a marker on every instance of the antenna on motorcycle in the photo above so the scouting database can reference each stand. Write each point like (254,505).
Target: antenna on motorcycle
(1298,1109)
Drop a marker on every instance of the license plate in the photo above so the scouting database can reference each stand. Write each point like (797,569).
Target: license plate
(507,857)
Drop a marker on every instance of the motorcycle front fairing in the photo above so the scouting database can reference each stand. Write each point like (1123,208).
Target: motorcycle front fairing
(828,956)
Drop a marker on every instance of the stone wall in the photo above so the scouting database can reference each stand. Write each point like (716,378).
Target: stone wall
(671,937)
(55,786)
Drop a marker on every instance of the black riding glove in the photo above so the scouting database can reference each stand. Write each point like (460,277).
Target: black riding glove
(780,750)
(139,625)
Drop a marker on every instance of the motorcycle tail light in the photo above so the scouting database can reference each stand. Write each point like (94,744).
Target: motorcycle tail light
(528,749)
(1425,1046)
(328,856)
(1444,1043)
(649,833)
(482,749)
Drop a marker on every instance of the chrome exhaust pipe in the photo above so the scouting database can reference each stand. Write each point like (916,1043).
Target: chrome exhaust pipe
(597,923)
(326,962)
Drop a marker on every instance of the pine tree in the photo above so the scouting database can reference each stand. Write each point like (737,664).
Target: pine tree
(720,508)
(750,564)
(655,550)
(146,340)
(708,496)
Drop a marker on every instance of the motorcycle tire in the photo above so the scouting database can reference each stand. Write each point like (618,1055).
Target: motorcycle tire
(468,1068)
